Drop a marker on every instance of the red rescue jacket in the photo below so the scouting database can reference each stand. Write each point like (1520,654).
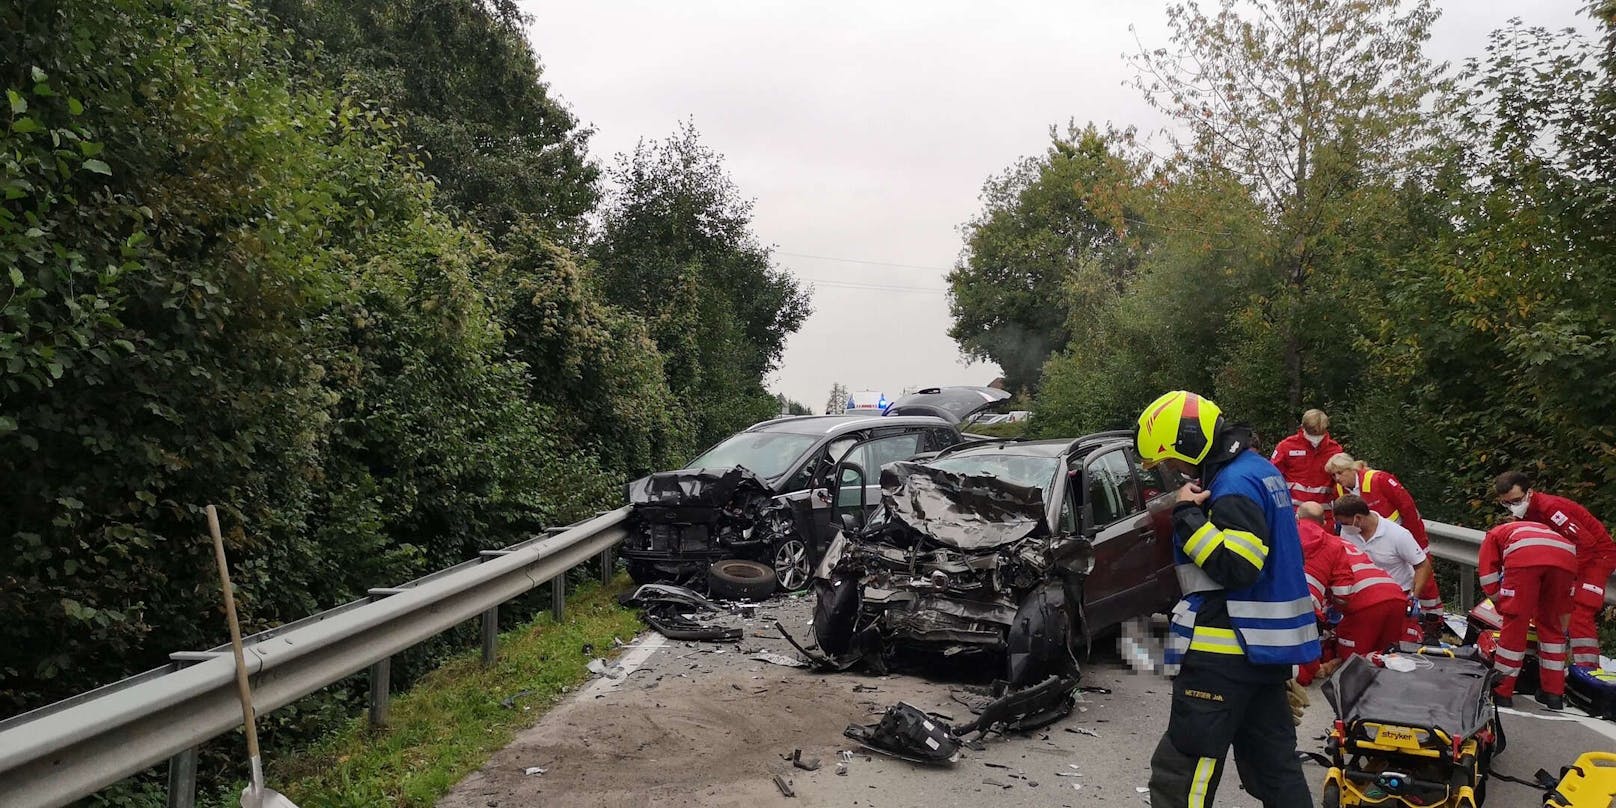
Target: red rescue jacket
(1303,466)
(1575,523)
(1516,545)
(1339,573)
(1385,495)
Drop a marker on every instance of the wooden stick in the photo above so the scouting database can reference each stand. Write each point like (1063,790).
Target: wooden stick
(235,646)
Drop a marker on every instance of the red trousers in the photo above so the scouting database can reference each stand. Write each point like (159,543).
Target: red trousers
(1529,595)
(1370,629)
(1589,598)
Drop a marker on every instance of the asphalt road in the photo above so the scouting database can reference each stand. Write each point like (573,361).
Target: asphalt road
(701,724)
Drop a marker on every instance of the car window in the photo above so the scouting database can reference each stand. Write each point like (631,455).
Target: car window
(1111,488)
(938,439)
(1153,482)
(766,454)
(1068,514)
(871,456)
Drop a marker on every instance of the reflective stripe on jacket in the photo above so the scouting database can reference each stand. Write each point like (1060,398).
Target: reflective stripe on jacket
(1521,544)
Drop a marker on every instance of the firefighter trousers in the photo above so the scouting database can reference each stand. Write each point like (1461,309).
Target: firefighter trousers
(1589,598)
(1528,596)
(1217,704)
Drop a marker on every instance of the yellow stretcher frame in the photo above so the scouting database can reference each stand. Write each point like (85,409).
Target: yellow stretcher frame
(1589,783)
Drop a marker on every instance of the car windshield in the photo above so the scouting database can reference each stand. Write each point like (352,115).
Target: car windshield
(1028,470)
(766,454)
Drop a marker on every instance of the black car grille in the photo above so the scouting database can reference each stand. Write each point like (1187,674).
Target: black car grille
(665,538)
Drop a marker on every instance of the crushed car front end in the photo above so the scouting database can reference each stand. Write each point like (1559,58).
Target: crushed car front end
(682,521)
(956,567)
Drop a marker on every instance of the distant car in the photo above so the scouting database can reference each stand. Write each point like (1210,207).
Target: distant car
(961,404)
(764,494)
(1017,551)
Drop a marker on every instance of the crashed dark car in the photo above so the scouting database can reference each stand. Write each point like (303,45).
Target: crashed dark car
(1012,554)
(764,494)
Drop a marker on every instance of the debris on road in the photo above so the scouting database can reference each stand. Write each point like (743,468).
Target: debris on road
(992,782)
(1083,731)
(778,659)
(532,770)
(670,610)
(599,667)
(1024,709)
(808,765)
(784,785)
(907,733)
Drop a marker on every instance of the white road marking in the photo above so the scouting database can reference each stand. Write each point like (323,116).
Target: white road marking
(637,655)
(1598,725)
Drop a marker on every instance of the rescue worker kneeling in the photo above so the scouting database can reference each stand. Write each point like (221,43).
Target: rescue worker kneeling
(1245,617)
(1528,570)
(1368,608)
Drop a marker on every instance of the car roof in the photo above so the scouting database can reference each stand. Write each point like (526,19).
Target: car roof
(842,424)
(1053,447)
(1047,447)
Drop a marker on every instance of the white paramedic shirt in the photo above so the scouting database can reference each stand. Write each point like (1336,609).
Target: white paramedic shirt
(1394,550)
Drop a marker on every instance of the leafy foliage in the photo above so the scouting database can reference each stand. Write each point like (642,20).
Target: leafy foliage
(675,246)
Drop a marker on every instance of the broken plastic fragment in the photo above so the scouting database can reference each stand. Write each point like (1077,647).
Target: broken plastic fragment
(532,770)
(599,667)
(779,659)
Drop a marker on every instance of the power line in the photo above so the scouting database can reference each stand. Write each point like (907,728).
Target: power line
(862,261)
(875,287)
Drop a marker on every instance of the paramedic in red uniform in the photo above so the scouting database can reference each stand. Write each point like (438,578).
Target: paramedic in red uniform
(1596,555)
(1344,579)
(1300,459)
(1387,497)
(1527,569)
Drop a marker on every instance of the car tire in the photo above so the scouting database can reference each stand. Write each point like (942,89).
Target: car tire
(1332,796)
(735,579)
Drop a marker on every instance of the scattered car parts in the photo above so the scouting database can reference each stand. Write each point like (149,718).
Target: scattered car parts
(735,579)
(908,733)
(669,610)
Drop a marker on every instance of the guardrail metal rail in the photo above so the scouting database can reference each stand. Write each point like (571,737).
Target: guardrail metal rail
(63,751)
(1462,545)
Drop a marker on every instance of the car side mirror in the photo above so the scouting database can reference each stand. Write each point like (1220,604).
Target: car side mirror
(849,523)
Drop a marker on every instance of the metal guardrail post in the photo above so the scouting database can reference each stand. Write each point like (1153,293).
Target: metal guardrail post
(1467,588)
(606,562)
(381,692)
(182,779)
(558,597)
(490,636)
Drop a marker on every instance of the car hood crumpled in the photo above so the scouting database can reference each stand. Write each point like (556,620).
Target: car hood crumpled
(965,512)
(695,487)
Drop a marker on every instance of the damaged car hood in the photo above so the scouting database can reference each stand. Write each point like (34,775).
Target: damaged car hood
(965,512)
(696,487)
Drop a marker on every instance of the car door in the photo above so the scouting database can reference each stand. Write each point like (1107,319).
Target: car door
(1125,543)
(862,464)
(1159,489)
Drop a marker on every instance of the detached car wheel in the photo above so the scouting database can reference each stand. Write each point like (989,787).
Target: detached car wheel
(792,567)
(734,579)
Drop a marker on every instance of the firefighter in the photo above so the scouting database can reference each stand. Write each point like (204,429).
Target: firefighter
(1349,589)
(1245,617)
(1528,569)
(1300,459)
(1387,497)
(1596,555)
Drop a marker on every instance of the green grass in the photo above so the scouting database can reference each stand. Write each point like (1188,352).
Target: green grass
(451,721)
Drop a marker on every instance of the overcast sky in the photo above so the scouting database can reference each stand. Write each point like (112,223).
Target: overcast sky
(864,132)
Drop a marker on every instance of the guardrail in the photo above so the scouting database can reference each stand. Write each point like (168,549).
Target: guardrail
(1461,545)
(70,749)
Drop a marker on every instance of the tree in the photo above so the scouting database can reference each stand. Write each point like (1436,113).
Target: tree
(837,402)
(1314,105)
(472,100)
(789,407)
(676,246)
(1050,229)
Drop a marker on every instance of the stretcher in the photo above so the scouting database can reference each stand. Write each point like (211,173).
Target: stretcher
(1588,783)
(1413,739)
